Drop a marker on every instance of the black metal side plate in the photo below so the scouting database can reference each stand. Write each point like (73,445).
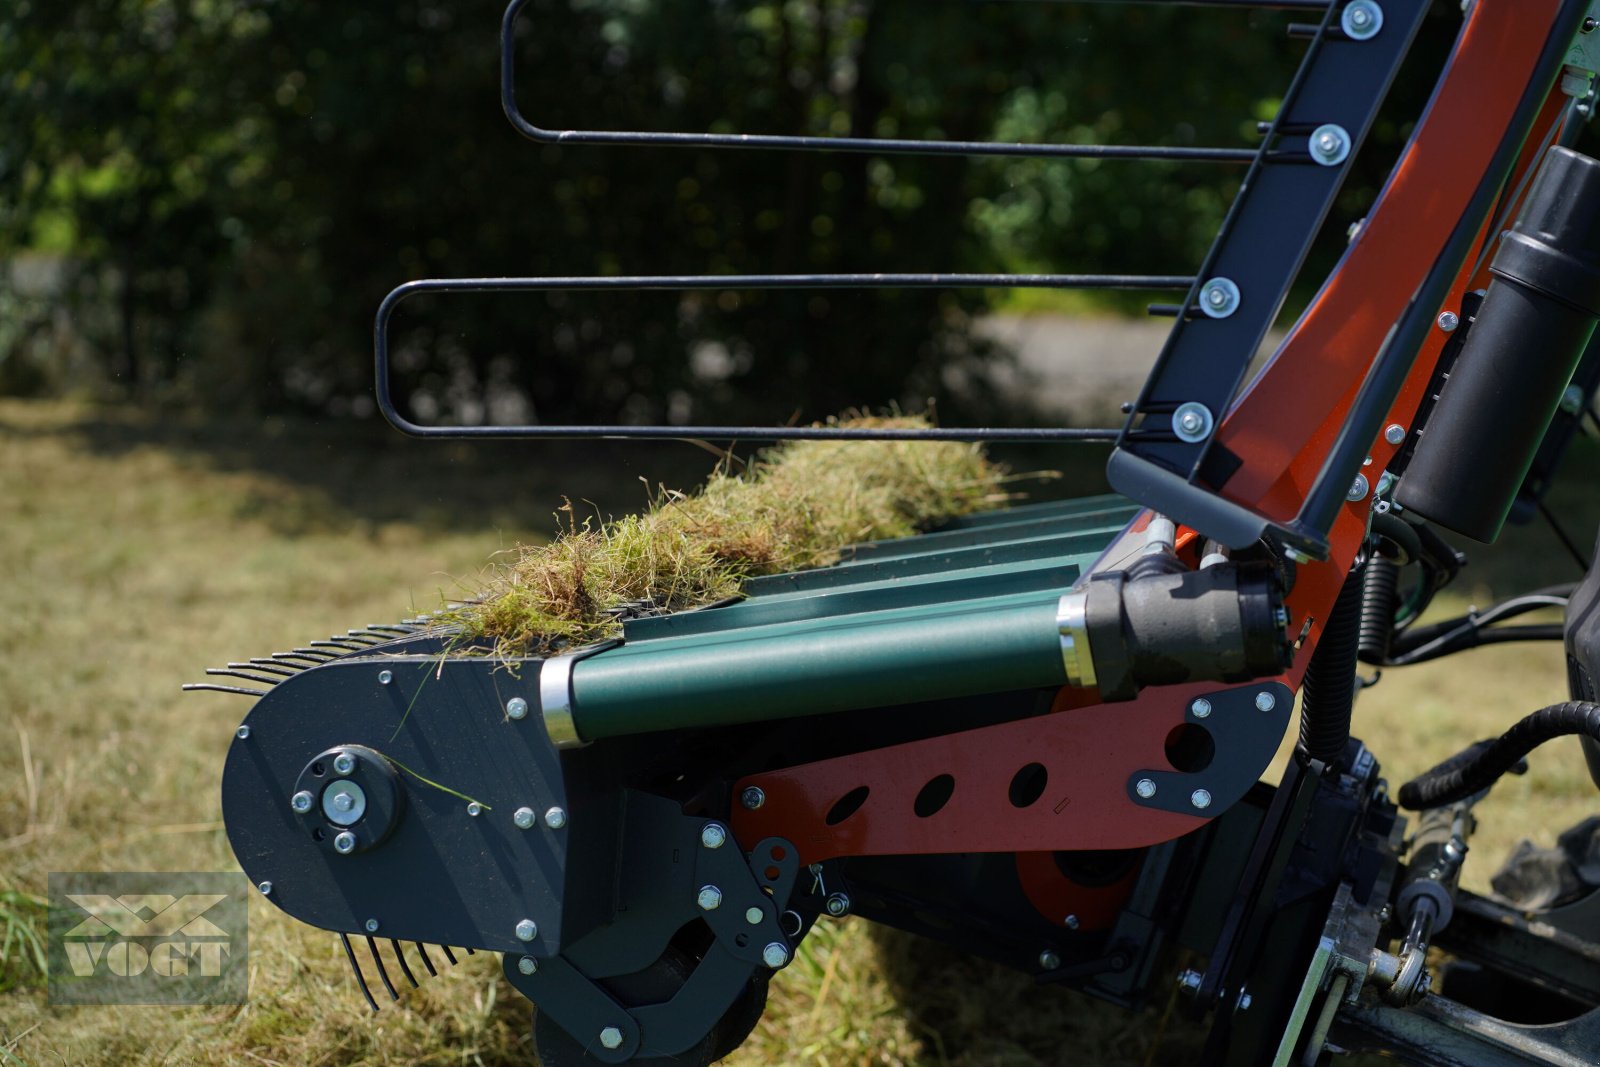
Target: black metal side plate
(444,875)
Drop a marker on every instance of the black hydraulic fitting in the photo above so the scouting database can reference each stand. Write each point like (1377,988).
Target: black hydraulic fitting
(1158,623)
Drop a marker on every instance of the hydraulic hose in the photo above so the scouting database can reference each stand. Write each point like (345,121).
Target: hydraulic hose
(1480,766)
(1329,691)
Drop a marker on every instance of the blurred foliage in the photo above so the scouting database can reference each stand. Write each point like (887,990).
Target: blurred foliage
(227,188)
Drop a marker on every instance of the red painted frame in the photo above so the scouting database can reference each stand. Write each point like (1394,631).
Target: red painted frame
(1283,427)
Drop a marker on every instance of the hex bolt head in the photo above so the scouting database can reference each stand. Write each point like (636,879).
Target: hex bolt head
(516,708)
(1145,787)
(1330,145)
(1394,433)
(753,797)
(343,801)
(1200,798)
(713,835)
(528,965)
(1200,708)
(1361,20)
(1244,1000)
(1358,489)
(302,801)
(1448,321)
(1265,701)
(1049,960)
(344,763)
(1189,981)
(611,1037)
(385,677)
(775,955)
(524,818)
(555,818)
(474,808)
(527,929)
(838,905)
(242,732)
(709,898)
(1219,298)
(372,926)
(266,888)
(344,842)
(753,916)
(1192,422)
(1072,922)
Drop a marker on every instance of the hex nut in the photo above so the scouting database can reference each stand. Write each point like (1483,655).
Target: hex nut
(713,835)
(611,1037)
(528,965)
(1200,798)
(709,898)
(775,955)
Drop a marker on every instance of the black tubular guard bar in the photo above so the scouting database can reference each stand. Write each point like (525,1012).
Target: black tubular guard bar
(385,392)
(899,146)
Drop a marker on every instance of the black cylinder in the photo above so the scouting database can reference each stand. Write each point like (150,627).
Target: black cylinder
(1493,410)
(1379,598)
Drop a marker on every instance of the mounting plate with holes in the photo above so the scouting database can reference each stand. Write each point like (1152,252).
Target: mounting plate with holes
(1214,758)
(353,789)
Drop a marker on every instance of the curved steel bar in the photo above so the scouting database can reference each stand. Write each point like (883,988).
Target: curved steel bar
(897,146)
(385,398)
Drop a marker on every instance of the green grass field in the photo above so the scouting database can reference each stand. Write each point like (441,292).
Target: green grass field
(139,550)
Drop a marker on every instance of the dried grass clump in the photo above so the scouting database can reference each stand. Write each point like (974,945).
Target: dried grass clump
(795,506)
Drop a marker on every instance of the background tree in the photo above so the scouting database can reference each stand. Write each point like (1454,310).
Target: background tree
(234,185)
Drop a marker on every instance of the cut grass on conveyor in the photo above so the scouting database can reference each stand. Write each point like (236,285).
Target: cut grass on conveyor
(794,506)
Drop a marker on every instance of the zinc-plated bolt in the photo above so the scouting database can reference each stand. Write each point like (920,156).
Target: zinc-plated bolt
(523,818)
(1330,145)
(611,1037)
(1189,981)
(528,965)
(343,801)
(344,763)
(1049,960)
(527,929)
(1201,708)
(372,926)
(1200,798)
(713,835)
(266,888)
(1572,400)
(385,677)
(555,818)
(1265,701)
(710,898)
(1358,489)
(1219,298)
(753,916)
(1448,320)
(344,842)
(838,905)
(1394,433)
(775,955)
(1145,787)
(517,708)
(753,797)
(242,732)
(1192,421)
(474,808)
(1244,1000)
(1072,922)
(1361,20)
(302,801)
